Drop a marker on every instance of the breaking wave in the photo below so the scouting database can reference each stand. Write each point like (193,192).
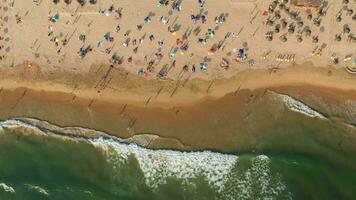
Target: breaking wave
(37,189)
(226,174)
(158,165)
(7,188)
(298,106)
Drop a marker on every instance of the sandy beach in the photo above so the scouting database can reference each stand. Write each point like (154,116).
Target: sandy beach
(195,117)
(187,72)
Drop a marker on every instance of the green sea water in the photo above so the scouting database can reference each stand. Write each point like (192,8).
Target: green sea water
(299,157)
(47,167)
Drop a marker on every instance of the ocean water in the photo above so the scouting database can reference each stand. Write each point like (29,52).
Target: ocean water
(48,162)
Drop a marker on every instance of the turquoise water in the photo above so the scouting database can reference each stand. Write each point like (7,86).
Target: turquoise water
(40,166)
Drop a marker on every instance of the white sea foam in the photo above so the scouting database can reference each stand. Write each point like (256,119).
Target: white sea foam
(298,106)
(257,182)
(158,165)
(7,188)
(223,172)
(37,189)
(13,123)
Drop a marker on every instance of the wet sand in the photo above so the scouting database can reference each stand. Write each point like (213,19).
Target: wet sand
(217,115)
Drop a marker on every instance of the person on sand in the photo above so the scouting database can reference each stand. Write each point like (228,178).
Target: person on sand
(193,68)
(174,63)
(129,60)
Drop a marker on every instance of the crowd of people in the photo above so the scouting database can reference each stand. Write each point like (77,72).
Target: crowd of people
(203,34)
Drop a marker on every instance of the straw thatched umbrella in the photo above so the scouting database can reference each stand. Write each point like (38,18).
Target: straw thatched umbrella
(345,1)
(93,1)
(56,1)
(68,2)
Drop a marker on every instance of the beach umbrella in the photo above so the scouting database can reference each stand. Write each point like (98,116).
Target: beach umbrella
(68,1)
(93,1)
(269,22)
(317,21)
(299,38)
(56,1)
(284,23)
(346,28)
(283,38)
(322,29)
(282,6)
(349,12)
(337,37)
(338,18)
(307,32)
(300,24)
(309,16)
(202,66)
(82,2)
(55,17)
(277,28)
(269,35)
(107,36)
(315,39)
(291,28)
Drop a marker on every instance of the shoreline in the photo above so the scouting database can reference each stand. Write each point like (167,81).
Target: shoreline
(128,88)
(132,109)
